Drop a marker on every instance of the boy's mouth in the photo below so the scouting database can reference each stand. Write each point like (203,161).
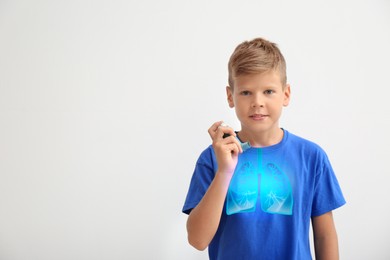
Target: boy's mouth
(258,116)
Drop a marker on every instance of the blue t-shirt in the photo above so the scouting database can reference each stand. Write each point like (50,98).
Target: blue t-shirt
(271,198)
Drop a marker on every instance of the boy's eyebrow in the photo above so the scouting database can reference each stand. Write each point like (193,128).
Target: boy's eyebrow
(242,87)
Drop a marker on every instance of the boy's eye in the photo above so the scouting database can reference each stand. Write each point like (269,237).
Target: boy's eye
(245,93)
(269,91)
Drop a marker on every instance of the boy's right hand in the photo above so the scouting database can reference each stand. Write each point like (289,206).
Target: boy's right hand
(226,149)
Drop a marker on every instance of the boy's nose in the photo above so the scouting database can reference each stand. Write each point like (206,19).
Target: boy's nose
(258,101)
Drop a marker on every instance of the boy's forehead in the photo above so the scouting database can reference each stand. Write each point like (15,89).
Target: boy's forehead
(271,78)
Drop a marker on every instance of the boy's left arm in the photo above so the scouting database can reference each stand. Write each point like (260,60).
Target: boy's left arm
(325,237)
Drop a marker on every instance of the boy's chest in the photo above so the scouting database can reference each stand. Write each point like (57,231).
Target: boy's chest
(273,183)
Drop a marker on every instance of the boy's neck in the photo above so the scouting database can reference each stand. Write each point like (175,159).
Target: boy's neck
(262,139)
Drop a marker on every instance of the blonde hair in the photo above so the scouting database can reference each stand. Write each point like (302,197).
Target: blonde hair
(256,56)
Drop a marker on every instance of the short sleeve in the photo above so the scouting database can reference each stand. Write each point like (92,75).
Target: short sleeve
(327,194)
(202,177)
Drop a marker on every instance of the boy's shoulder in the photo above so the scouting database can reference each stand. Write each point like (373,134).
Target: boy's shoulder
(207,157)
(302,143)
(299,139)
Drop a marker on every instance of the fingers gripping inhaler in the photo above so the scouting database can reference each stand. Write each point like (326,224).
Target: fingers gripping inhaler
(245,146)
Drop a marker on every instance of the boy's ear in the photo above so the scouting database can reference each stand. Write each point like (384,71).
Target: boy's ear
(287,94)
(229,94)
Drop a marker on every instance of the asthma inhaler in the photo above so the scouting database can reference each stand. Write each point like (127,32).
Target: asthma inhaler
(245,146)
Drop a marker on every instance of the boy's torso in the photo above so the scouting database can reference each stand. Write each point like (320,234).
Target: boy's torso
(269,202)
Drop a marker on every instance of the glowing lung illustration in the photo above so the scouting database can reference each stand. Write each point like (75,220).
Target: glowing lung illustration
(275,191)
(243,190)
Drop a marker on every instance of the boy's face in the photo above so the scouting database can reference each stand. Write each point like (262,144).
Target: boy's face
(258,100)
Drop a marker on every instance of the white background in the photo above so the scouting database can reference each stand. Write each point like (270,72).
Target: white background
(105,106)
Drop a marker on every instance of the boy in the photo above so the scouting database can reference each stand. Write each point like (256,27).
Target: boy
(258,203)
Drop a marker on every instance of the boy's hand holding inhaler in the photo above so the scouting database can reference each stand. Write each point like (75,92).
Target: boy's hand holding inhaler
(226,146)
